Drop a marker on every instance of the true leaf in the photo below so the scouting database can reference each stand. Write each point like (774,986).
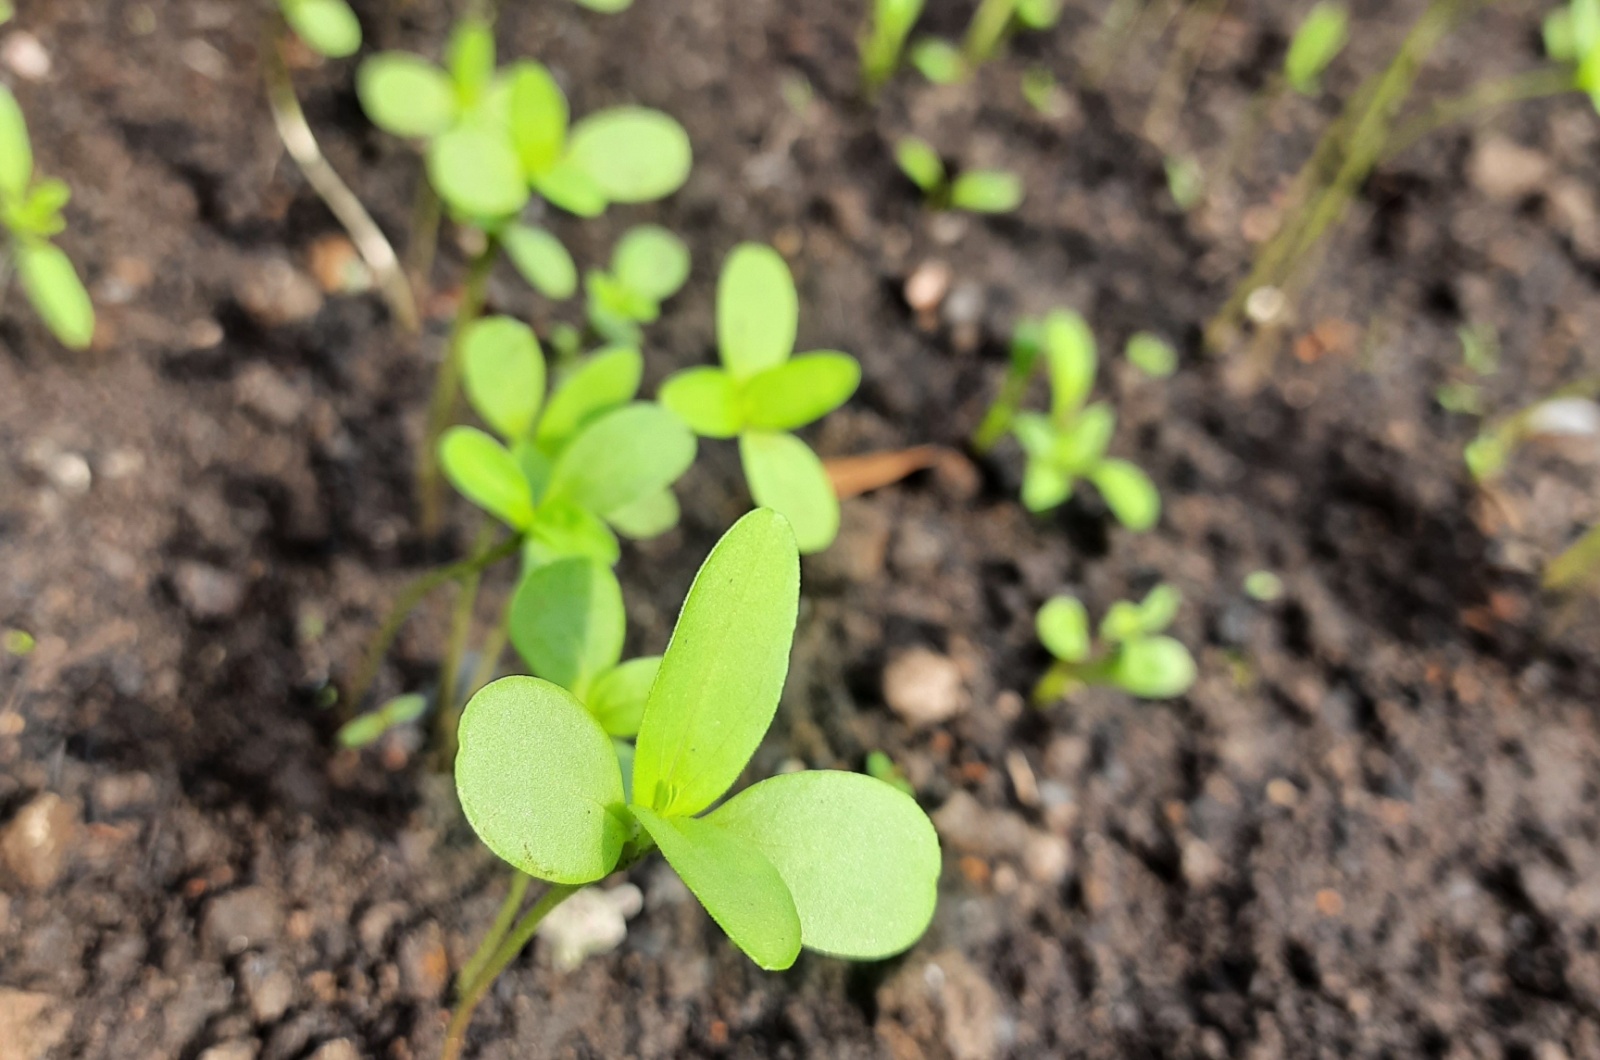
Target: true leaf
(406,95)
(1153,668)
(758,310)
(328,26)
(737,885)
(1070,354)
(538,115)
(651,262)
(1159,608)
(539,781)
(504,371)
(860,859)
(786,476)
(1122,622)
(16,150)
(800,390)
(622,457)
(1063,626)
(56,293)
(1038,14)
(920,163)
(617,698)
(939,61)
(563,530)
(1082,444)
(606,379)
(605,7)
(40,212)
(470,56)
(475,170)
(567,622)
(1318,41)
(1044,486)
(723,670)
(487,475)
(633,154)
(986,191)
(1152,355)
(1035,433)
(1129,493)
(571,189)
(541,259)
(707,399)
(650,516)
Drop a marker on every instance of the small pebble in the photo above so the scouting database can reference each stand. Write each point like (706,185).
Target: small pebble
(35,845)
(593,921)
(1503,169)
(240,919)
(26,57)
(276,293)
(338,1049)
(208,593)
(924,688)
(235,1050)
(927,286)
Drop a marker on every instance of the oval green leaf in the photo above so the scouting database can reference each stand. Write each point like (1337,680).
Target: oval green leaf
(633,154)
(786,476)
(1159,608)
(617,699)
(470,56)
(758,310)
(56,293)
(606,379)
(860,859)
(16,150)
(1153,668)
(1069,350)
(539,782)
(939,61)
(487,475)
(986,191)
(563,530)
(1152,355)
(504,370)
(567,622)
(406,95)
(329,27)
(649,516)
(541,259)
(707,399)
(622,457)
(920,163)
(1044,486)
(723,671)
(801,390)
(571,189)
(1063,625)
(538,115)
(1129,493)
(651,262)
(476,172)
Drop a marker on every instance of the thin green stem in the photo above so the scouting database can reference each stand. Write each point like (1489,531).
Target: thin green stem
(497,931)
(426,213)
(449,714)
(489,658)
(447,389)
(997,421)
(1519,88)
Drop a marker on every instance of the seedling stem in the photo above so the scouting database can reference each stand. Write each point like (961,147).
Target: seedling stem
(447,389)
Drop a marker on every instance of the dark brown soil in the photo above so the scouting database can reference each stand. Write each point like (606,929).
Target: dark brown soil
(1371,830)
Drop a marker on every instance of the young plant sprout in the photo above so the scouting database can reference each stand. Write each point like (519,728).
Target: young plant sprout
(939,61)
(369,728)
(1132,653)
(1069,444)
(328,27)
(30,216)
(566,473)
(762,393)
(1480,357)
(880,766)
(1318,41)
(1152,355)
(975,191)
(648,266)
(944,64)
(1572,37)
(836,862)
(885,38)
(1263,586)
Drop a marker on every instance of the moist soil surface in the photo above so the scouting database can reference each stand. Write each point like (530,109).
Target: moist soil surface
(1370,829)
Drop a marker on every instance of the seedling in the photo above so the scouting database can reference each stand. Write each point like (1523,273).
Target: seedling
(648,266)
(1152,355)
(1263,586)
(328,27)
(761,393)
(566,473)
(370,727)
(1132,654)
(940,61)
(1572,37)
(885,38)
(1480,357)
(1318,41)
(975,191)
(835,862)
(1186,181)
(880,766)
(943,63)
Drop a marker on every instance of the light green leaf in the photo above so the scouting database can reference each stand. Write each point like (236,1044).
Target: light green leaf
(1038,14)
(920,163)
(633,154)
(986,191)
(367,729)
(571,189)
(1070,354)
(615,310)
(535,465)
(1122,622)
(786,476)
(1317,43)
(16,150)
(651,262)
(606,379)
(504,370)
(860,859)
(724,668)
(622,457)
(1152,355)
(475,171)
(649,516)
(1036,434)
(707,399)
(737,885)
(758,310)
(1129,493)
(801,390)
(56,293)
(1560,43)
(1044,486)
(939,61)
(469,55)
(567,622)
(563,530)
(541,259)
(1153,668)
(329,27)
(538,115)
(617,699)
(487,475)
(605,7)
(1063,625)
(406,95)
(1082,444)
(1159,608)
(539,781)
(40,212)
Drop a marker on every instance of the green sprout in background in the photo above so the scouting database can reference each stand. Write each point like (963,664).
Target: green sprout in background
(648,266)
(30,214)
(945,64)
(367,729)
(1572,37)
(1318,41)
(880,766)
(328,27)
(1263,586)
(1152,355)
(1133,653)
(836,862)
(762,393)
(885,38)
(975,191)
(1480,358)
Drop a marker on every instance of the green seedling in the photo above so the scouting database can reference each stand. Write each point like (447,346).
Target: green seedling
(945,64)
(605,7)
(1263,586)
(1318,41)
(648,266)
(940,61)
(7,12)
(880,766)
(885,38)
(1186,181)
(1042,91)
(18,642)
(569,473)
(1069,444)
(835,862)
(370,727)
(762,393)
(1480,357)
(30,215)
(1152,355)
(492,137)
(328,27)
(975,191)
(1572,37)
(1133,653)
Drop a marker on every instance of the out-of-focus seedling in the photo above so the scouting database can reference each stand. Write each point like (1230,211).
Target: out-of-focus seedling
(762,393)
(1572,37)
(328,27)
(1186,181)
(939,61)
(1480,357)
(1132,652)
(945,64)
(1318,41)
(30,215)
(885,38)
(1152,355)
(975,191)
(837,862)
(648,266)
(1263,586)
(880,766)
(369,728)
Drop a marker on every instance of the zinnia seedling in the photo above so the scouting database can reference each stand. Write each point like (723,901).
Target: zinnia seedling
(1318,41)
(1132,653)
(761,392)
(836,862)
(885,38)
(648,266)
(975,191)
(328,27)
(30,215)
